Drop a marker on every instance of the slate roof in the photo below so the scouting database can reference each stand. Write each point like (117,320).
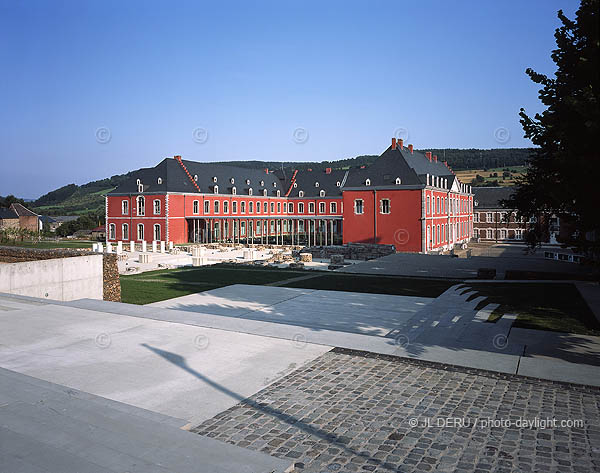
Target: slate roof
(22,211)
(411,168)
(7,214)
(174,179)
(490,197)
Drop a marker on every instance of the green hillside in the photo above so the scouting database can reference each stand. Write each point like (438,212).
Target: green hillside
(89,198)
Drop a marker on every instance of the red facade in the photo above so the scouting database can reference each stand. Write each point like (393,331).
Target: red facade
(426,217)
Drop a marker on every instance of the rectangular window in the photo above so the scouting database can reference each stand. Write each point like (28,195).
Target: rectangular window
(225,206)
(125,207)
(258,226)
(358,206)
(333,207)
(503,234)
(428,206)
(300,207)
(206,207)
(311,207)
(234,207)
(265,208)
(216,206)
(157,207)
(141,206)
(291,208)
(519,234)
(321,207)
(258,207)
(278,207)
(250,207)
(272,207)
(196,207)
(384,206)
(490,217)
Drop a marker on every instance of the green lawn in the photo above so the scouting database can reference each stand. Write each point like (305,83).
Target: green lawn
(399,286)
(155,286)
(50,244)
(557,307)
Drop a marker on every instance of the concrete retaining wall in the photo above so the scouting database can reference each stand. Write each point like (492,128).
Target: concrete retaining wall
(62,279)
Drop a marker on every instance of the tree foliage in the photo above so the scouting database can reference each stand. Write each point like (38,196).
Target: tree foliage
(564,174)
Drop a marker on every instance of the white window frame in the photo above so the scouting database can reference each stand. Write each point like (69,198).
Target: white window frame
(321,207)
(155,233)
(140,234)
(359,209)
(112,232)
(125,207)
(382,205)
(125,231)
(333,207)
(196,207)
(300,207)
(207,207)
(141,205)
(154,206)
(311,207)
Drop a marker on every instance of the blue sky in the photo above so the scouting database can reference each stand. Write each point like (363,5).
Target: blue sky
(90,89)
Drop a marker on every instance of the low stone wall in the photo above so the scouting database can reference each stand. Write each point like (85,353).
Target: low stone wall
(352,251)
(111,284)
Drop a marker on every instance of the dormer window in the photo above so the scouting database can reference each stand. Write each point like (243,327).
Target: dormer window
(278,193)
(398,181)
(138,182)
(322,193)
(317,184)
(368,182)
(274,184)
(232,180)
(250,191)
(140,187)
(247,182)
(295,185)
(265,192)
(233,190)
(196,177)
(159,180)
(215,179)
(301,194)
(338,184)
(262,183)
(216,189)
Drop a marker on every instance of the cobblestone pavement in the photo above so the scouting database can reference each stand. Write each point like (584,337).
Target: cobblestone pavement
(348,412)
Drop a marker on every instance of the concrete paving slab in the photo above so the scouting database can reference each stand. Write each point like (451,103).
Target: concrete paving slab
(559,370)
(372,314)
(50,428)
(183,371)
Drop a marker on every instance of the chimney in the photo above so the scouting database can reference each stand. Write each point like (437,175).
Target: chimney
(428,154)
(266,170)
(327,170)
(393,143)
(400,143)
(410,148)
(435,158)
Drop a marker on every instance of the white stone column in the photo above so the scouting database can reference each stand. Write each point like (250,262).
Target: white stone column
(171,246)
(132,246)
(162,247)
(119,247)
(109,247)
(144,246)
(154,246)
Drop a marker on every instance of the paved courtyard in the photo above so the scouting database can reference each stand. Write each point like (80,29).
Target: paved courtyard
(348,412)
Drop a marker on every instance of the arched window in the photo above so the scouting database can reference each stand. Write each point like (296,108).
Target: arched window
(247,182)
(196,207)
(278,193)
(265,192)
(225,206)
(125,207)
(317,184)
(262,183)
(338,184)
(216,189)
(112,232)
(301,194)
(301,207)
(206,207)
(250,207)
(368,182)
(215,179)
(157,207)
(159,180)
(233,190)
(196,177)
(250,191)
(157,232)
(295,185)
(398,181)
(141,205)
(242,207)
(274,184)
(125,231)
(140,231)
(322,193)
(232,180)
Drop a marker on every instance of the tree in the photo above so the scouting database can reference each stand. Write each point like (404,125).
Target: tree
(564,175)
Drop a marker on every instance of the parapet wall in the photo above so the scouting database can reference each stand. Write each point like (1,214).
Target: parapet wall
(59,274)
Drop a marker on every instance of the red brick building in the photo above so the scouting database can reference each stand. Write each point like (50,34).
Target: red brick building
(406,198)
(492,222)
